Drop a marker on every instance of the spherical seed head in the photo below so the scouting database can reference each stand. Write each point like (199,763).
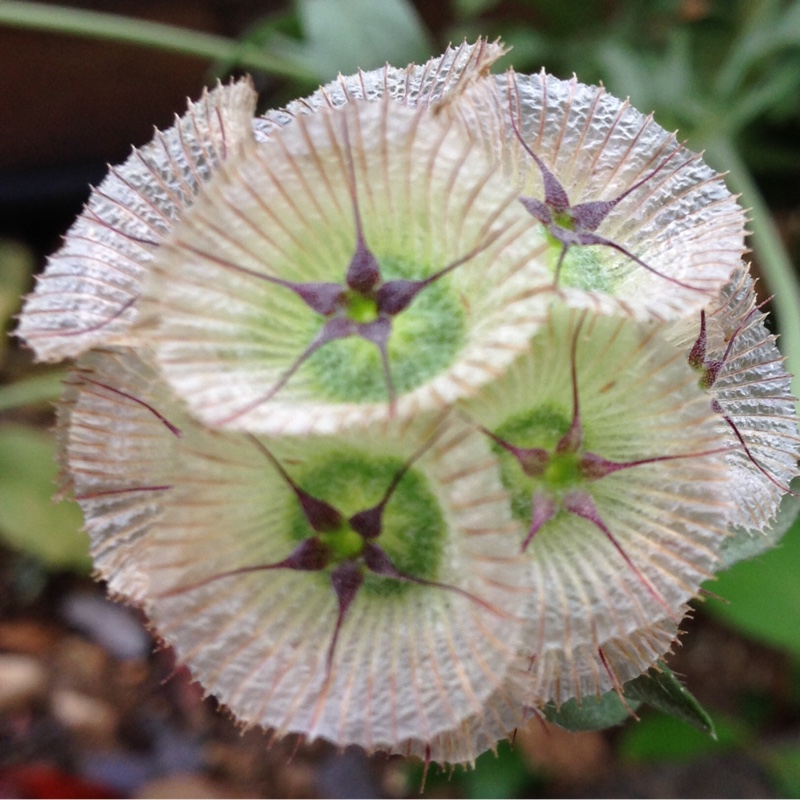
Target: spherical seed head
(88,294)
(412,658)
(243,350)
(663,233)
(620,552)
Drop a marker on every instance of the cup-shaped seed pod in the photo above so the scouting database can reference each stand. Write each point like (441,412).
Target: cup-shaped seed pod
(88,294)
(616,468)
(360,589)
(364,262)
(630,221)
(738,364)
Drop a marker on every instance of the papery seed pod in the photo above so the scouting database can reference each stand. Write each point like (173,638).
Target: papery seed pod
(363,589)
(364,262)
(616,467)
(88,295)
(739,366)
(631,222)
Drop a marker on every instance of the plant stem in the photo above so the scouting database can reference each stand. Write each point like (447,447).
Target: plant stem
(39,389)
(99,25)
(778,270)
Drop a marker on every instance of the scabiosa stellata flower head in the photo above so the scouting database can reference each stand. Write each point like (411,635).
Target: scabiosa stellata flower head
(363,589)
(419,407)
(630,221)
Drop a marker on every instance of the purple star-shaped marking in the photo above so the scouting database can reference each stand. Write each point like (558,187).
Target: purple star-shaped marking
(576,226)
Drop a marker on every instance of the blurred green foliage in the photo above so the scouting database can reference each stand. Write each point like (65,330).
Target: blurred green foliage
(658,736)
(30,521)
(761,597)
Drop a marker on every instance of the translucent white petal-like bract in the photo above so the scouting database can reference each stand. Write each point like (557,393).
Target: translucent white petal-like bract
(754,392)
(426,197)
(440,80)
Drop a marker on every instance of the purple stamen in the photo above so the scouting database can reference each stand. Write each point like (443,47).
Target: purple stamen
(311,555)
(712,368)
(334,328)
(594,467)
(346,580)
(378,332)
(543,509)
(321,516)
(396,296)
(378,562)
(368,523)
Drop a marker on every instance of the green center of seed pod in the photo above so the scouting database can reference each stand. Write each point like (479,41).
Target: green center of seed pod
(562,471)
(425,340)
(542,427)
(343,543)
(414,528)
(361,308)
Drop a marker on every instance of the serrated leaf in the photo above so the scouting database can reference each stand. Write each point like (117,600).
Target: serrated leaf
(659,688)
(590,713)
(345,35)
(29,519)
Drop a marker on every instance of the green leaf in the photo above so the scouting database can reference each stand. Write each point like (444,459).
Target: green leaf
(591,713)
(345,35)
(29,519)
(660,737)
(743,545)
(659,688)
(762,597)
